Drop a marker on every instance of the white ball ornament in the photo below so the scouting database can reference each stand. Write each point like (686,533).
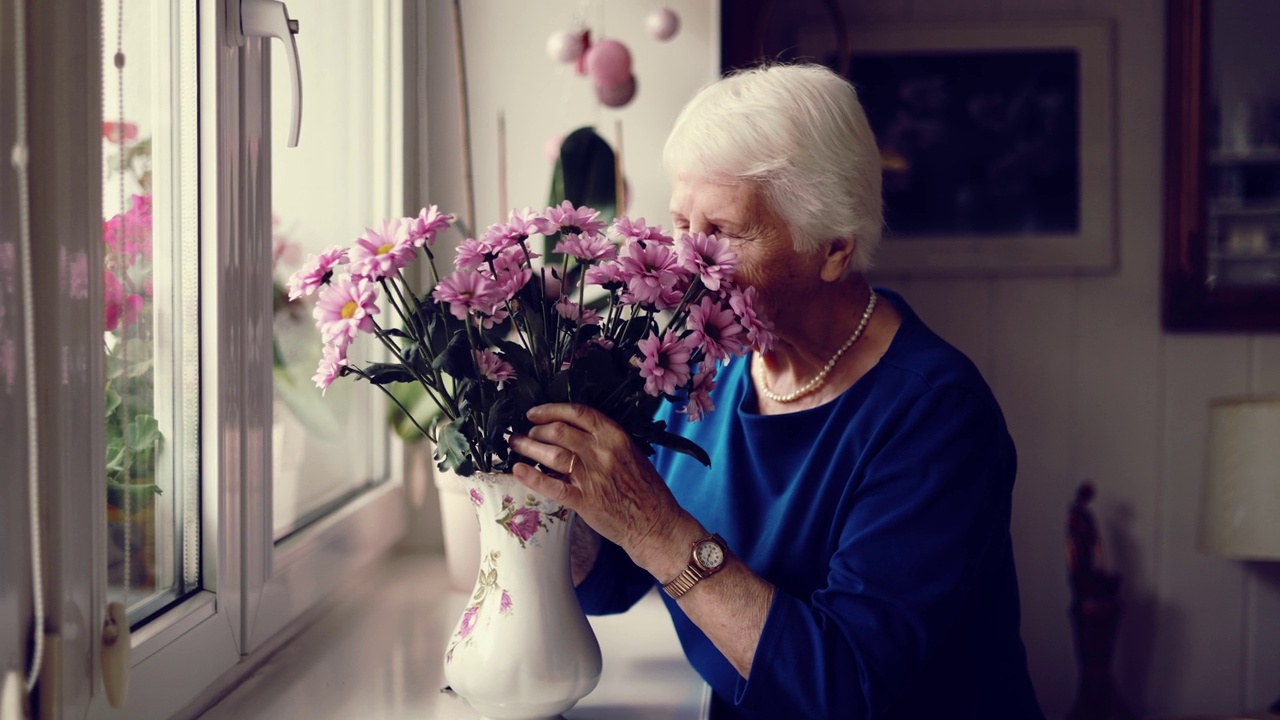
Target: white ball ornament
(663,24)
(565,46)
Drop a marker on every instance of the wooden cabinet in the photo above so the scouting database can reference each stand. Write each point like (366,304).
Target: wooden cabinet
(1222,202)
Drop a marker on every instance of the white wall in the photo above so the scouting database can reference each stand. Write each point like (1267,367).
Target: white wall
(1090,384)
(508,69)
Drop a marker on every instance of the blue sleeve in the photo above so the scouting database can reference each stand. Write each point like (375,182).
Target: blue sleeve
(614,584)
(934,495)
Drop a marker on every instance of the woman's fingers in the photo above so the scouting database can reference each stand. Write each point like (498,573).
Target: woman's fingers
(585,418)
(546,486)
(554,456)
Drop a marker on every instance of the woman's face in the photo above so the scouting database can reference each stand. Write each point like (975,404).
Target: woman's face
(767,259)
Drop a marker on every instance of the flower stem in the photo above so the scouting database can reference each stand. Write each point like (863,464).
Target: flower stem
(394,399)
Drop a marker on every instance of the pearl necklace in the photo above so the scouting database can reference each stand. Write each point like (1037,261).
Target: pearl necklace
(817,382)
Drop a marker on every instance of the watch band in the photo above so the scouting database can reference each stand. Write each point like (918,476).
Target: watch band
(695,572)
(684,582)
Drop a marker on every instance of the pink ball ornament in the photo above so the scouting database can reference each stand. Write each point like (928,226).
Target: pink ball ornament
(617,95)
(609,63)
(565,46)
(663,24)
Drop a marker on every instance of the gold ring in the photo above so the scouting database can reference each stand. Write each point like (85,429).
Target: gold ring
(573,458)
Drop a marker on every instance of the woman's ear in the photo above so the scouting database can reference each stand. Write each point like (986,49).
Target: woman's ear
(839,253)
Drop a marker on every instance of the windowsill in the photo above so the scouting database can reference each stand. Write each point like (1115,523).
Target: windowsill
(378,654)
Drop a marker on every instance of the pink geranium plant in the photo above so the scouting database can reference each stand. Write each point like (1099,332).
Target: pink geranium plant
(504,330)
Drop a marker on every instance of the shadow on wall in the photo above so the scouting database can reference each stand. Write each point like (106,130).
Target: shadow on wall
(1143,615)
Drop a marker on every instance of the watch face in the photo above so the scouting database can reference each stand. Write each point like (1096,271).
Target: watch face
(709,555)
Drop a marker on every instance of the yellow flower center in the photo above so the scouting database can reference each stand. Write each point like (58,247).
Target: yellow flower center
(386,248)
(349,309)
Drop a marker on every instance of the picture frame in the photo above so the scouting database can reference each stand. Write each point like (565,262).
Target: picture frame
(996,139)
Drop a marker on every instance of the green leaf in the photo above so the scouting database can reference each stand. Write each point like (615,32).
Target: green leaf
(383,373)
(142,433)
(451,448)
(658,435)
(112,400)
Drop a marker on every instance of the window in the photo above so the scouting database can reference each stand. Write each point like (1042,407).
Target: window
(227,507)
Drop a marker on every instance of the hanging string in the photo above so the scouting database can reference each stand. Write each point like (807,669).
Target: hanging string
(125,493)
(19,158)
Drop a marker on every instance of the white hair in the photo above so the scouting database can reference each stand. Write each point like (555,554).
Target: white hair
(799,133)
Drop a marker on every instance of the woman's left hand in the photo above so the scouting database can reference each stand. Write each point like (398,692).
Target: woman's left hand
(610,483)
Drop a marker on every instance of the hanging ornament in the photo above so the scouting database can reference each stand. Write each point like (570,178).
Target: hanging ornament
(617,94)
(566,46)
(663,24)
(608,63)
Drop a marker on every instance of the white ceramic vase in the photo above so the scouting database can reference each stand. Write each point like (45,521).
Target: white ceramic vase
(523,648)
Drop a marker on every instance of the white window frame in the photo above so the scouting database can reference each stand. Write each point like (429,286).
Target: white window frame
(254,592)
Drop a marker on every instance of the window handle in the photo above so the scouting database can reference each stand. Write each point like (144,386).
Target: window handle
(270,19)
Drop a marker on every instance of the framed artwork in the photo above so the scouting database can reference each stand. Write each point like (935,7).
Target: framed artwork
(996,143)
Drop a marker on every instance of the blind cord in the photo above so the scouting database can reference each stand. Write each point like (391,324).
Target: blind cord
(19,158)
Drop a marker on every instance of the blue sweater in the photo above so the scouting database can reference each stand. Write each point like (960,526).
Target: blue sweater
(882,518)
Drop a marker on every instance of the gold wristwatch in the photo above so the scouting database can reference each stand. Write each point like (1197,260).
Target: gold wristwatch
(705,559)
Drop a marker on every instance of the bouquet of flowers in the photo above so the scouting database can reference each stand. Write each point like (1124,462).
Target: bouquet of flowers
(506,331)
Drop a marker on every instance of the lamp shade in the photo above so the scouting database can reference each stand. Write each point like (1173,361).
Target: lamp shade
(1240,504)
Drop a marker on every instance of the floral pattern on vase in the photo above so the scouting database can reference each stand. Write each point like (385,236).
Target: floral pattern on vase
(522,647)
(487,588)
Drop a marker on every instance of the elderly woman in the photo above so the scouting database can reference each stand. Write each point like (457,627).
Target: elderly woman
(847,554)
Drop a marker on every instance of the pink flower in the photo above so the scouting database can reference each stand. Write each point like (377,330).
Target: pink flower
(476,498)
(120,310)
(572,311)
(587,248)
(380,253)
(648,270)
(715,330)
(128,235)
(119,132)
(504,603)
(511,272)
(759,331)
(563,218)
(345,309)
(700,395)
(331,365)
(636,231)
(471,255)
(466,291)
(609,275)
(316,272)
(664,363)
(708,257)
(468,621)
(507,500)
(523,523)
(423,229)
(493,368)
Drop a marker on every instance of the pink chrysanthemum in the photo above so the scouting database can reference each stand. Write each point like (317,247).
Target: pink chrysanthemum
(466,292)
(317,272)
(708,257)
(700,402)
(564,218)
(715,329)
(381,253)
(331,365)
(493,368)
(649,269)
(422,230)
(570,310)
(609,275)
(472,254)
(663,363)
(759,331)
(629,231)
(345,309)
(510,273)
(588,248)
